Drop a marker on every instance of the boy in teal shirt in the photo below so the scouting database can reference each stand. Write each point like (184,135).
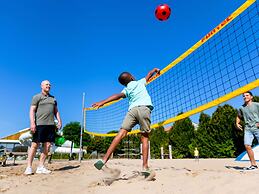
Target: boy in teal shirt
(140,107)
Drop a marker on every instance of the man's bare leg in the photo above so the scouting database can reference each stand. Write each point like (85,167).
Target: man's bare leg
(44,154)
(250,154)
(32,152)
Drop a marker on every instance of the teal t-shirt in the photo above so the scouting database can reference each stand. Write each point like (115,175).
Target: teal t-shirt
(137,93)
(250,114)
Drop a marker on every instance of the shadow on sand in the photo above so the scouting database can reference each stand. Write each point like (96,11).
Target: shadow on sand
(67,168)
(235,167)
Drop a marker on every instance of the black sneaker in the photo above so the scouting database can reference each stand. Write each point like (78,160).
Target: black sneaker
(252,167)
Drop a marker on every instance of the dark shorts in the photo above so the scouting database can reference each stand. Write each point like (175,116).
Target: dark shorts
(44,133)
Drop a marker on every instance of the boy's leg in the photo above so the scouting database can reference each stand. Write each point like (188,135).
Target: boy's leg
(145,146)
(144,122)
(122,133)
(128,123)
(147,173)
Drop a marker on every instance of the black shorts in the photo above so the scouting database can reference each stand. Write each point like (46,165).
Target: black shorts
(44,133)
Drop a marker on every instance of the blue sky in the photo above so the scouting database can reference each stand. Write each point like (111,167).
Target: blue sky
(82,46)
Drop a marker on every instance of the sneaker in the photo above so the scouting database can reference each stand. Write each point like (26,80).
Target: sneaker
(99,164)
(252,167)
(28,171)
(42,170)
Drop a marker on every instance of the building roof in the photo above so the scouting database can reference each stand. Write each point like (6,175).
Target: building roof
(15,136)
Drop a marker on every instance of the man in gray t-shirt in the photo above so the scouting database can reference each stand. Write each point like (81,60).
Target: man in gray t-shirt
(42,112)
(249,112)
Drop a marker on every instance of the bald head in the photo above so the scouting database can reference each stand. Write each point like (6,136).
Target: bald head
(45,82)
(45,86)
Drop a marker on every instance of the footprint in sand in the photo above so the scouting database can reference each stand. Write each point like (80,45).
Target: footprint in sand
(111,175)
(114,175)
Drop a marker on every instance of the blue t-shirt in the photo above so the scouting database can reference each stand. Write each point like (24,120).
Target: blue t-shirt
(137,93)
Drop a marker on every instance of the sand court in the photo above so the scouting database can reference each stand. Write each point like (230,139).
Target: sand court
(172,176)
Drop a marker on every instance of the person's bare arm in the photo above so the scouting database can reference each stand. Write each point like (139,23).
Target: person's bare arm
(238,125)
(110,99)
(57,115)
(150,74)
(32,118)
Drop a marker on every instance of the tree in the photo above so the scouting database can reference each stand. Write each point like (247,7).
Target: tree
(181,138)
(97,144)
(72,132)
(101,143)
(107,142)
(221,137)
(86,139)
(158,138)
(256,98)
(129,146)
(202,136)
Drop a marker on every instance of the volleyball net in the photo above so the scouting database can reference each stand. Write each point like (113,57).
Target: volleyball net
(219,67)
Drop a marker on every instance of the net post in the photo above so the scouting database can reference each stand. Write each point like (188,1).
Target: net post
(170,151)
(82,126)
(162,152)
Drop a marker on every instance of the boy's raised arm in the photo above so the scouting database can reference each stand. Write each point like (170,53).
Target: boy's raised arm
(110,99)
(150,74)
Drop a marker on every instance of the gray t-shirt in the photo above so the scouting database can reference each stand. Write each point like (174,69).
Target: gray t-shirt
(250,114)
(45,106)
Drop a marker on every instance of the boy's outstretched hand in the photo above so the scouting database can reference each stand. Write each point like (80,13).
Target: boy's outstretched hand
(150,75)
(110,99)
(97,104)
(157,70)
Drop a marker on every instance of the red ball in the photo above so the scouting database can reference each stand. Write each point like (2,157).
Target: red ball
(163,12)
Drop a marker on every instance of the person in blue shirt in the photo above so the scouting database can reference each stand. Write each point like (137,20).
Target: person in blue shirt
(140,107)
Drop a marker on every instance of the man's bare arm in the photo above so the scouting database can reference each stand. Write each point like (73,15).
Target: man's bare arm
(57,115)
(238,125)
(32,118)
